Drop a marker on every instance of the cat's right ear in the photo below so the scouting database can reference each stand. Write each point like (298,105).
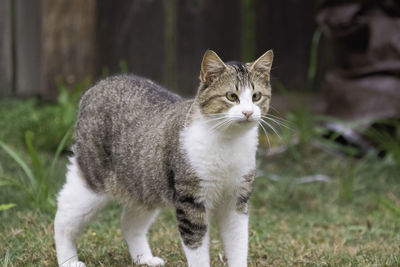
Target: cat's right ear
(211,67)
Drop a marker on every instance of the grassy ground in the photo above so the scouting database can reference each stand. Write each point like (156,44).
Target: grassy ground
(350,219)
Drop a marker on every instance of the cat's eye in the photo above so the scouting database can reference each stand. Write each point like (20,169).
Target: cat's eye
(232,96)
(256,96)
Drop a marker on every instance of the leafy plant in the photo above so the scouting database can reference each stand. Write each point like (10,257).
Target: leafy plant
(304,124)
(15,117)
(53,121)
(36,182)
(48,122)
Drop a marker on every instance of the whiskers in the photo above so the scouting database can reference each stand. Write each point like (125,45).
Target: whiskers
(225,123)
(222,121)
(219,121)
(271,121)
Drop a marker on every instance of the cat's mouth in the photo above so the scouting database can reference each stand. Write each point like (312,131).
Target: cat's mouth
(246,121)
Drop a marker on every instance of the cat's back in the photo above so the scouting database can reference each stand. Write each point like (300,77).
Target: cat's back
(127,91)
(117,105)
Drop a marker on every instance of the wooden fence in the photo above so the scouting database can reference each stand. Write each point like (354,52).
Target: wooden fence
(45,41)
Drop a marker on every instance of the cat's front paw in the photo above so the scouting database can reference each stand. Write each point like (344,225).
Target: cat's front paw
(73,264)
(152,261)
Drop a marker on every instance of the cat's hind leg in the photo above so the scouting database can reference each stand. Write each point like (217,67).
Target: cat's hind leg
(77,204)
(135,222)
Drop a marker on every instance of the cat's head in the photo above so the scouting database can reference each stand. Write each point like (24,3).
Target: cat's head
(234,93)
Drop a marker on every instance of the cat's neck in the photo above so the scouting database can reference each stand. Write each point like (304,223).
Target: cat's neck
(229,154)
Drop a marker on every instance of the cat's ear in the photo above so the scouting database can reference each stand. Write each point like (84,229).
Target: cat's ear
(211,67)
(262,66)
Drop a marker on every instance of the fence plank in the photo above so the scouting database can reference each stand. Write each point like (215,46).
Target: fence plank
(5,48)
(28,50)
(287,27)
(201,25)
(132,32)
(68,43)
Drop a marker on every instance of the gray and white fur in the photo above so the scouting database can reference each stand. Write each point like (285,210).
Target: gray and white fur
(149,148)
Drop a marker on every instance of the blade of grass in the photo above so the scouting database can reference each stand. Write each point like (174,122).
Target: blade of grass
(6,258)
(42,185)
(21,163)
(6,182)
(37,166)
(60,148)
(6,206)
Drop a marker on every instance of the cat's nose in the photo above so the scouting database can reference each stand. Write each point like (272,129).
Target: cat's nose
(247,113)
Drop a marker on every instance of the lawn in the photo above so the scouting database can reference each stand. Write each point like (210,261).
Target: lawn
(350,217)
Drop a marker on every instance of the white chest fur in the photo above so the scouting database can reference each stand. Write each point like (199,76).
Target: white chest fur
(219,159)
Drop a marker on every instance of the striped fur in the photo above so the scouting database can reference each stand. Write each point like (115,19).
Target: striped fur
(147,147)
(244,192)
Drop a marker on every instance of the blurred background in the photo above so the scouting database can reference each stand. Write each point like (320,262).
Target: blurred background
(43,41)
(341,57)
(329,157)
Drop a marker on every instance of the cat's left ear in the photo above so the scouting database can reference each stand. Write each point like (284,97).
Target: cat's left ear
(262,66)
(211,67)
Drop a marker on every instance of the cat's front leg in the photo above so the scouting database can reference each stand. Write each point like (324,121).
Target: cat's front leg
(193,228)
(233,227)
(233,223)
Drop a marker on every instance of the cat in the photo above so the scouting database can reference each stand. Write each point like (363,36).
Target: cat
(149,148)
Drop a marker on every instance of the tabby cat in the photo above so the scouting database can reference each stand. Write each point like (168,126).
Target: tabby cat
(148,148)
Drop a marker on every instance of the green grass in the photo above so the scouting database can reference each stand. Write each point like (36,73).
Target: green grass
(48,122)
(36,181)
(351,220)
(320,223)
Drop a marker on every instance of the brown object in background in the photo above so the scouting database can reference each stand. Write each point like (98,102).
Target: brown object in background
(68,47)
(366,36)
(28,23)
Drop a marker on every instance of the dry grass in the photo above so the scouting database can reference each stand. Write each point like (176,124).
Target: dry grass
(291,224)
